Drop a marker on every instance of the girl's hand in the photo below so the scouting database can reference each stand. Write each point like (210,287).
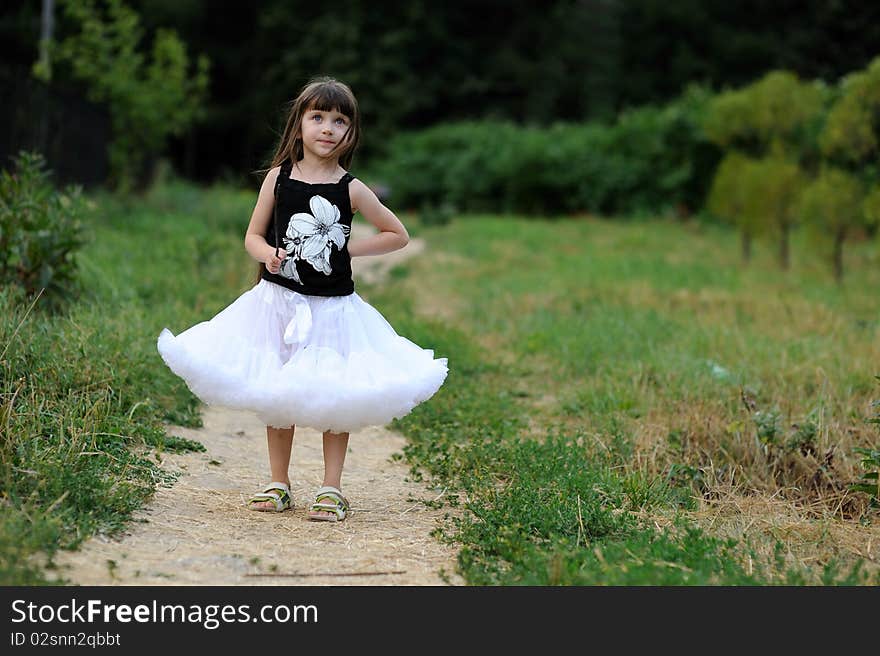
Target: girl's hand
(273,264)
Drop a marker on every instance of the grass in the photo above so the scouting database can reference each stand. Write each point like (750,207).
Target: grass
(627,403)
(702,417)
(84,395)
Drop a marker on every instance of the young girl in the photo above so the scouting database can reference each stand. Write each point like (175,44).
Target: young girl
(301,346)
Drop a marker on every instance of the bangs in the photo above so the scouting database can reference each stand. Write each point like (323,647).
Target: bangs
(329,98)
(324,95)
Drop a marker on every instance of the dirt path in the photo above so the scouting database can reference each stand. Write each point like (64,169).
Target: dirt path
(198,531)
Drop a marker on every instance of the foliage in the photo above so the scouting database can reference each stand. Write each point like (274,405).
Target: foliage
(870,483)
(774,120)
(734,195)
(782,182)
(417,63)
(40,231)
(832,206)
(650,159)
(758,196)
(852,130)
(785,112)
(727,120)
(870,479)
(851,134)
(776,196)
(871,206)
(772,116)
(149,98)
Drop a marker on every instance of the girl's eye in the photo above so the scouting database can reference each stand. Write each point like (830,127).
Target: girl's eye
(341,121)
(316,117)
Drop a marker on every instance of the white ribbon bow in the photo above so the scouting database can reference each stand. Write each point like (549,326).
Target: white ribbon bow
(298,328)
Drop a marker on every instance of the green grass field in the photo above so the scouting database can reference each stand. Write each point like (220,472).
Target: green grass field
(626,404)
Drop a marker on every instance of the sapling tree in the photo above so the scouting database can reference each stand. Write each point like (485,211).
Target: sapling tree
(149,98)
(730,195)
(833,204)
(770,121)
(850,142)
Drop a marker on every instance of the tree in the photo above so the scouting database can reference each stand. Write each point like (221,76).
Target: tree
(777,187)
(731,196)
(149,100)
(850,137)
(833,203)
(772,120)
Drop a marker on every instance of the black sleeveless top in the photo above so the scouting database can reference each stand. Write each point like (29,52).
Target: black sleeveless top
(312,222)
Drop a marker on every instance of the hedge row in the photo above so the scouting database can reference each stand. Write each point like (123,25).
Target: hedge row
(651,159)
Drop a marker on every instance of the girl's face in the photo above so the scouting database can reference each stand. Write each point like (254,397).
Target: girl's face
(322,132)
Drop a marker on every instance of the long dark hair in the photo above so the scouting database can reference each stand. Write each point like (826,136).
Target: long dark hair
(324,94)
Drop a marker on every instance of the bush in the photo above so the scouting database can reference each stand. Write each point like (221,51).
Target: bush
(650,160)
(39,231)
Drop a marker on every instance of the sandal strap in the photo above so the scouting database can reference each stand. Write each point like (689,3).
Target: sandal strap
(330,492)
(276,492)
(269,496)
(339,506)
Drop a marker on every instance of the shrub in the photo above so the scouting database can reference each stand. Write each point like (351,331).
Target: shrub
(651,160)
(40,231)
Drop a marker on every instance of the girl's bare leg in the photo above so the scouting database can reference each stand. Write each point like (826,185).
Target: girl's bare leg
(280,442)
(335,447)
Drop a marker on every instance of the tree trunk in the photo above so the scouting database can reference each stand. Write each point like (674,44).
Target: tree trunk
(784,257)
(47,26)
(838,255)
(746,241)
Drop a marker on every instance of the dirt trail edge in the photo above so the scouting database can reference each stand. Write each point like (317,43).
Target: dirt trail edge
(199,532)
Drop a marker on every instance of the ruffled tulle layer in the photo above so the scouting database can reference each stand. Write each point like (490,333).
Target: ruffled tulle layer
(329,363)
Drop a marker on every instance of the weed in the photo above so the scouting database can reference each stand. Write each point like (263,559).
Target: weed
(870,479)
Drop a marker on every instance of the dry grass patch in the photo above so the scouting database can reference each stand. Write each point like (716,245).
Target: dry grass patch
(810,535)
(719,447)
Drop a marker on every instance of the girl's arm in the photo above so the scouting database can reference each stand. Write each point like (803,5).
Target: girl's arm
(392,235)
(254,240)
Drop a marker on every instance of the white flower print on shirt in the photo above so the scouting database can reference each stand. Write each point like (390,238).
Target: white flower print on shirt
(311,237)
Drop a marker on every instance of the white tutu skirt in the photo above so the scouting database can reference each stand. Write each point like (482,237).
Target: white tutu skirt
(329,363)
